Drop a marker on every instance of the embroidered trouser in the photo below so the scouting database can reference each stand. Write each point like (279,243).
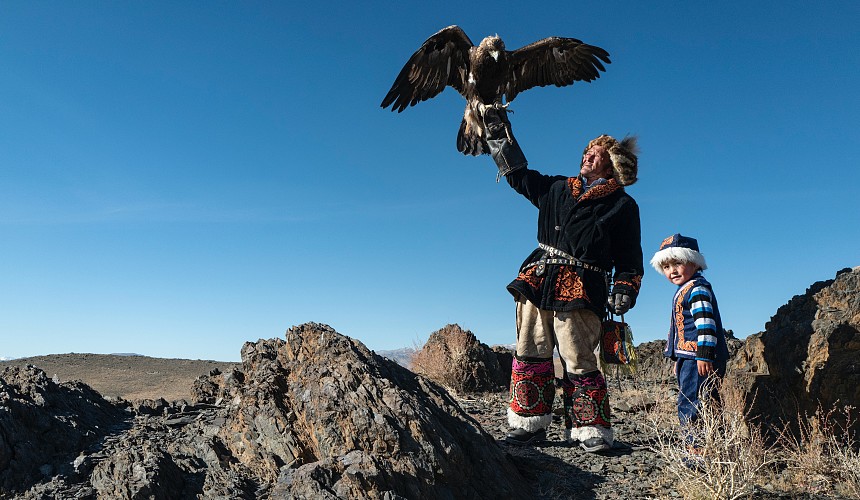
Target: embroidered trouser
(577,335)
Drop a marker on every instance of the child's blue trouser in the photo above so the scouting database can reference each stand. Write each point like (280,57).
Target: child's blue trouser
(690,392)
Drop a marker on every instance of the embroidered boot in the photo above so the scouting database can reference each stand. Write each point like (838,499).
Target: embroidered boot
(586,411)
(532,393)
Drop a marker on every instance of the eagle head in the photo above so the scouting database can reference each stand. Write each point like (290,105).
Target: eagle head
(493,45)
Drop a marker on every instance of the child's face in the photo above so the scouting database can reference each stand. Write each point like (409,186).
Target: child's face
(679,272)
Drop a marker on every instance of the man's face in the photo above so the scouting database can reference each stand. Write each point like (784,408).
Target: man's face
(596,164)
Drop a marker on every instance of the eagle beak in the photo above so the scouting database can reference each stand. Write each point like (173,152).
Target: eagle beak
(495,54)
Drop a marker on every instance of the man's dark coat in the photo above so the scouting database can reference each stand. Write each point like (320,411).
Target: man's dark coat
(599,227)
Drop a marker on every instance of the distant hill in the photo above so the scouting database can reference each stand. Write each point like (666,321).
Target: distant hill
(402,356)
(126,376)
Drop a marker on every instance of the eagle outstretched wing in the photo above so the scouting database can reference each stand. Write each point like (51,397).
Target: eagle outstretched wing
(442,60)
(553,61)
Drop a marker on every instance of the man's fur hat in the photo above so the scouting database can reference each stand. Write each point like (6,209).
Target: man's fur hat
(625,165)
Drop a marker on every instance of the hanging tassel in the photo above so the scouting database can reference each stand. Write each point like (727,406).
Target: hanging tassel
(629,368)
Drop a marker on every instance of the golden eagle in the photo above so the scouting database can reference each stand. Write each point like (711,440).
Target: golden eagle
(489,75)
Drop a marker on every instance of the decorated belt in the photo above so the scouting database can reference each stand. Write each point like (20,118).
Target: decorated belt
(554,256)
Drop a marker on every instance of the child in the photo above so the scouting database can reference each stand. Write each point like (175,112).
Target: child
(696,341)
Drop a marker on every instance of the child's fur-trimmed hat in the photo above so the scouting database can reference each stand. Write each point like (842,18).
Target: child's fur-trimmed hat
(678,248)
(625,164)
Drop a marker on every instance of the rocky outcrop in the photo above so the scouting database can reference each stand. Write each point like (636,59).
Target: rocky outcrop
(44,425)
(319,413)
(505,358)
(456,359)
(808,357)
(315,415)
(653,367)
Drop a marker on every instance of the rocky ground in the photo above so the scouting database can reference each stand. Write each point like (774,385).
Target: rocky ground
(180,449)
(317,415)
(153,437)
(632,469)
(561,470)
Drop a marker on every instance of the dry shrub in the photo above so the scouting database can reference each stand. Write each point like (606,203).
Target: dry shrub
(731,458)
(824,458)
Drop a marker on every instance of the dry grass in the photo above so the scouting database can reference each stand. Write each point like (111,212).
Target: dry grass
(824,458)
(731,456)
(646,397)
(734,460)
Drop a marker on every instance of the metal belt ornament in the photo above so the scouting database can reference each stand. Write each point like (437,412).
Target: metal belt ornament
(554,256)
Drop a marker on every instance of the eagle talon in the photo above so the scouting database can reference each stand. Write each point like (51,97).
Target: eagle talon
(508,132)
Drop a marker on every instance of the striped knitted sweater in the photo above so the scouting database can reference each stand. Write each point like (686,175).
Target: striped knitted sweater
(696,329)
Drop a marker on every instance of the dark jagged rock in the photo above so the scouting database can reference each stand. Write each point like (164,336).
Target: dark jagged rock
(653,367)
(808,357)
(44,425)
(321,413)
(505,358)
(152,406)
(317,415)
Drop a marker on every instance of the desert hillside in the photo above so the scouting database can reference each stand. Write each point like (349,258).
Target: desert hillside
(123,376)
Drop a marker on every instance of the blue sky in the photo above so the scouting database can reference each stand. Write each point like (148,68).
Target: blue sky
(178,178)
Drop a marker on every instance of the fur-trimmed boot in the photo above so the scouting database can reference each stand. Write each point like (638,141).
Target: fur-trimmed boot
(587,418)
(532,393)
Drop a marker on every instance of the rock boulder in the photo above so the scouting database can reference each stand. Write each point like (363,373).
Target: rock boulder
(653,367)
(314,415)
(44,425)
(808,357)
(320,414)
(456,359)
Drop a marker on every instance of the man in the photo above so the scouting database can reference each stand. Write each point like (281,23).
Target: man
(587,226)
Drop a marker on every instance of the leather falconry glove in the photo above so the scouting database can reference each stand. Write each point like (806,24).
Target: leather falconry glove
(503,147)
(620,303)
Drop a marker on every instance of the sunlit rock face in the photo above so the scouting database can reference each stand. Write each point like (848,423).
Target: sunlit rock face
(808,357)
(312,415)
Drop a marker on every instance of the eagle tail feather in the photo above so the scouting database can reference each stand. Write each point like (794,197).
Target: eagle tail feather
(469,142)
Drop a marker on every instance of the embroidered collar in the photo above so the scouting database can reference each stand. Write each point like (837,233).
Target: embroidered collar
(597,190)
